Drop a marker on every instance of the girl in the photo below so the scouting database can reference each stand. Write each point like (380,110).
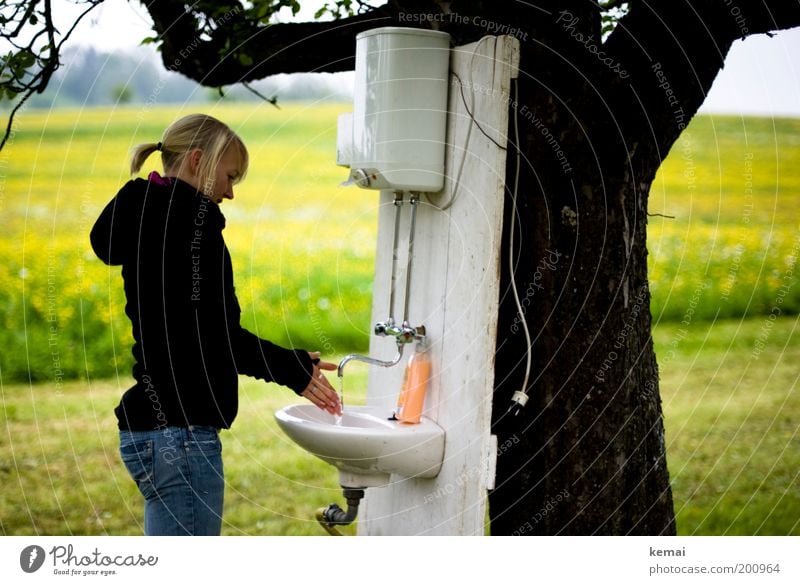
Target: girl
(189,348)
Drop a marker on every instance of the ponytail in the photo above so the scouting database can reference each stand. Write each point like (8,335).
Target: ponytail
(140,154)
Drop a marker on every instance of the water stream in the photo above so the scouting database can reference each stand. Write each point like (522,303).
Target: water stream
(338,417)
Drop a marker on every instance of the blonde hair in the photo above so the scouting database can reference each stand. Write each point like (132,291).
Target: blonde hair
(195,131)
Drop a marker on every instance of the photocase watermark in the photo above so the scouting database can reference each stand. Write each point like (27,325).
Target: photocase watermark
(67,562)
(569,23)
(52,319)
(549,262)
(688,315)
(620,341)
(31,558)
(741,22)
(169,450)
(506,445)
(521,111)
(326,347)
(690,169)
(672,98)
(787,282)
(448,489)
(550,505)
(175,64)
(195,247)
(738,251)
(490,26)
(551,140)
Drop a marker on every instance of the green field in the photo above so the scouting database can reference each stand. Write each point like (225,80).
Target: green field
(731,424)
(725,302)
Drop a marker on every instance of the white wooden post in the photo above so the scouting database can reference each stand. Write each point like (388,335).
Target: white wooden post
(454,294)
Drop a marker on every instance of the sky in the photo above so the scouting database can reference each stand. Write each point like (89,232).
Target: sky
(760,76)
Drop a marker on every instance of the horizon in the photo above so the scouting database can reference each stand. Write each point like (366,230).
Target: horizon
(758,77)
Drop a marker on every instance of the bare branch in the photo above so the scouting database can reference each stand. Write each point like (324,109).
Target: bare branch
(241,49)
(273,100)
(32,67)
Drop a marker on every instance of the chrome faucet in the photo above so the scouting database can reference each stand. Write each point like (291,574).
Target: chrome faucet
(369,360)
(403,334)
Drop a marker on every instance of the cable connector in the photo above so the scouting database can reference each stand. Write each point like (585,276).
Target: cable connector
(518,402)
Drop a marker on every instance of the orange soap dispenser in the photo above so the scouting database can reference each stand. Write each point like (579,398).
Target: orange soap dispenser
(418,373)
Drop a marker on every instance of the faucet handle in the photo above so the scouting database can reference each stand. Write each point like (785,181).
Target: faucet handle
(407,333)
(388,327)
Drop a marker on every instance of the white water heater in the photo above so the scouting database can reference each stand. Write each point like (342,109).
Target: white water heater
(395,137)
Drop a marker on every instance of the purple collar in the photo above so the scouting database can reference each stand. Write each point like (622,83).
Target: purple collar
(154,177)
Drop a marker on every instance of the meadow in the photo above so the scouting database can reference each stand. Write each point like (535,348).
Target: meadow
(724,239)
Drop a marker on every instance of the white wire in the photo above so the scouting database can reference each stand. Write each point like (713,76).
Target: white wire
(456,185)
(472,122)
(528,348)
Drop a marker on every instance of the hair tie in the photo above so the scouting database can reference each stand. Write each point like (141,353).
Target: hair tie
(159,146)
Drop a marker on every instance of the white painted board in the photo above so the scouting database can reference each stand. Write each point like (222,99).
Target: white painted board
(454,293)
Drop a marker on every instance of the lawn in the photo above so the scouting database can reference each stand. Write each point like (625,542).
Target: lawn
(731,398)
(724,239)
(731,427)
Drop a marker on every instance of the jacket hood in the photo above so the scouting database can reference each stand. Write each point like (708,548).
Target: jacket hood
(115,235)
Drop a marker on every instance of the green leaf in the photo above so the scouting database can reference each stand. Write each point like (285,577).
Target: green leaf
(26,58)
(245,60)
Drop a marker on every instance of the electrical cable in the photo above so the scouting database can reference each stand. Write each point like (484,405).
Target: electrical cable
(520,397)
(472,122)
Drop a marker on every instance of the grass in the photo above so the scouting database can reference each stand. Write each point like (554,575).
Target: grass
(302,247)
(61,472)
(303,253)
(731,190)
(731,427)
(731,398)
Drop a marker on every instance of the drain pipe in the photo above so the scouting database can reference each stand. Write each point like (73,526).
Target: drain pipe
(333,516)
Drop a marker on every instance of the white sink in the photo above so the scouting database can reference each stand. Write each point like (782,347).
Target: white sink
(366,447)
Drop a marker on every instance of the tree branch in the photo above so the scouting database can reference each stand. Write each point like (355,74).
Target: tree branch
(674,51)
(243,50)
(35,73)
(763,16)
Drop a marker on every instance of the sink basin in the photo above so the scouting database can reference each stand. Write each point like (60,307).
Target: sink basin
(365,446)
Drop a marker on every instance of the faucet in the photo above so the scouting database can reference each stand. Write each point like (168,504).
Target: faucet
(404,334)
(369,360)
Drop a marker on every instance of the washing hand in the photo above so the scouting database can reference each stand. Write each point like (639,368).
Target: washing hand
(319,391)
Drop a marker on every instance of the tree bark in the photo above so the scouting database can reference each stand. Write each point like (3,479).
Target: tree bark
(587,453)
(588,450)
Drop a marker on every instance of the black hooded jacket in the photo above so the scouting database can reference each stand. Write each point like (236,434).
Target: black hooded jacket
(188,343)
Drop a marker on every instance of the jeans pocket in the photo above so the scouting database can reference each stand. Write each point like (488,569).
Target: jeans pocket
(205,461)
(138,459)
(203,447)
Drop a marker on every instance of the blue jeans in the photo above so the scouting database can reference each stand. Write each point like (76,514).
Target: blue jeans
(179,473)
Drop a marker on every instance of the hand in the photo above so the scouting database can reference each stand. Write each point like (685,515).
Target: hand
(319,391)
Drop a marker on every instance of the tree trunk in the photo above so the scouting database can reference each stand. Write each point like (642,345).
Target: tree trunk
(587,453)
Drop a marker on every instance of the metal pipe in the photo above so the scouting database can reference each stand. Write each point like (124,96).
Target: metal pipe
(334,516)
(398,203)
(414,202)
(368,360)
